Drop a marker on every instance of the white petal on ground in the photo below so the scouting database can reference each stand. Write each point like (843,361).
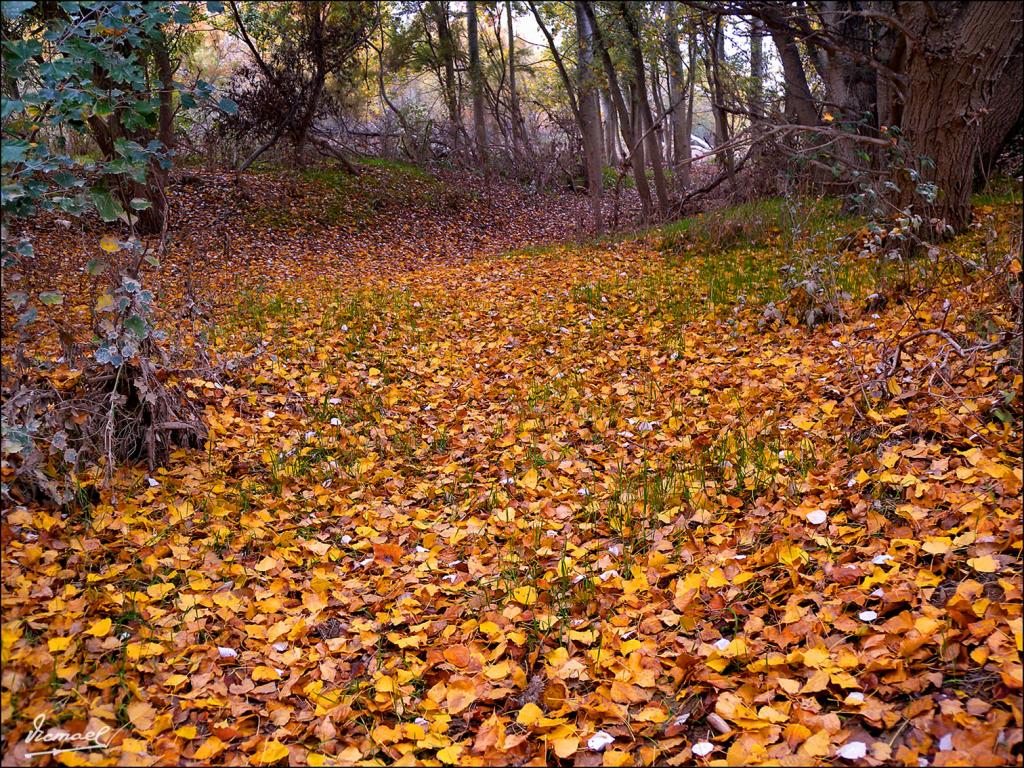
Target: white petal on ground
(867,615)
(816,517)
(702,748)
(600,741)
(853,750)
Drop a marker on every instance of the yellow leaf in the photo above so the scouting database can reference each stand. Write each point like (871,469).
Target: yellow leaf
(614,758)
(272,751)
(815,657)
(499,671)
(266,564)
(802,422)
(175,681)
(450,754)
(100,629)
(566,746)
(186,732)
(717,579)
(530,479)
(109,244)
(652,715)
(58,643)
(937,546)
(263,673)
(159,591)
(209,748)
(105,302)
(791,554)
(529,714)
(816,746)
(525,595)
(986,564)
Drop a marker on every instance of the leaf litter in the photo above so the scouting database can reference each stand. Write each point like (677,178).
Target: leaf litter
(543,506)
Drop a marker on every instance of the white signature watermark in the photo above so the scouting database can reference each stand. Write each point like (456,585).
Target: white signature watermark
(66,741)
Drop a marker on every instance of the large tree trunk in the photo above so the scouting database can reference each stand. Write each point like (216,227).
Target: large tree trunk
(959,53)
(799,104)
(590,122)
(476,82)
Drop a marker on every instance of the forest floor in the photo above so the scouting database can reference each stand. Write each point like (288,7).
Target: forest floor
(580,504)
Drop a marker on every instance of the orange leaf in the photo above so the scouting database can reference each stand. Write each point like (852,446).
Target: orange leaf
(461,693)
(388,554)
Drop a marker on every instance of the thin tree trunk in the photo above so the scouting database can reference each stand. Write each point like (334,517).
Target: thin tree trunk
(644,109)
(680,127)
(756,102)
(625,123)
(446,50)
(662,137)
(518,128)
(590,122)
(716,50)
(611,129)
(476,83)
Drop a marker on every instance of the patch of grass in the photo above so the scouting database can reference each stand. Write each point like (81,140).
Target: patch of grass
(371,312)
(259,309)
(1002,190)
(760,222)
(396,166)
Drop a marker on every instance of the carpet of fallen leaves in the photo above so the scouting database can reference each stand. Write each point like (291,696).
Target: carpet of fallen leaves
(555,506)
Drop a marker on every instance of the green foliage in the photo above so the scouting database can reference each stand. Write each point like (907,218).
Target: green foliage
(84,69)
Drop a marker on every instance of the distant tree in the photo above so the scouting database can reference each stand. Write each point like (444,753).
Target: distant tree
(476,81)
(295,47)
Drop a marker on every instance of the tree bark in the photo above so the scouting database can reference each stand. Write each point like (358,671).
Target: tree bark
(590,123)
(518,128)
(756,100)
(799,105)
(713,67)
(611,129)
(476,83)
(646,119)
(959,53)
(446,50)
(678,91)
(625,125)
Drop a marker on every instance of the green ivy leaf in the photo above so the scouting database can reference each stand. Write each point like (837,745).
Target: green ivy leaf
(107,206)
(138,326)
(13,9)
(227,106)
